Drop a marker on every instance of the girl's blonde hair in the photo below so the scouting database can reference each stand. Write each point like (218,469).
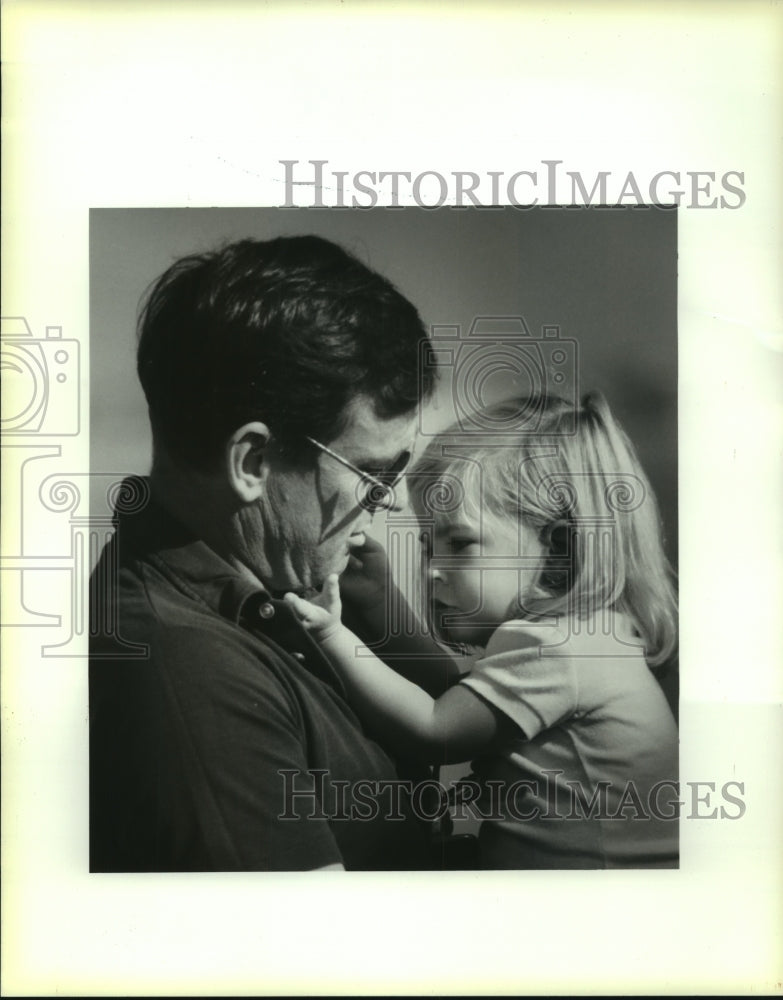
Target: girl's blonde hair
(571,474)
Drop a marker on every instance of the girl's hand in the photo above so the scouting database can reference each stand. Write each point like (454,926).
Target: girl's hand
(367,579)
(321,616)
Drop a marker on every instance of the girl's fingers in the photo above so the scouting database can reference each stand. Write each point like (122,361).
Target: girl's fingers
(301,608)
(332,593)
(292,601)
(316,615)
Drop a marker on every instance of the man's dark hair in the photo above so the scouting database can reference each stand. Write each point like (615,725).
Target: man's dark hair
(286,331)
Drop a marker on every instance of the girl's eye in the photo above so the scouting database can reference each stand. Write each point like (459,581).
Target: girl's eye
(459,544)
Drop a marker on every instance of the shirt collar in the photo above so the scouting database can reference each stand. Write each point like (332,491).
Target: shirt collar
(151,533)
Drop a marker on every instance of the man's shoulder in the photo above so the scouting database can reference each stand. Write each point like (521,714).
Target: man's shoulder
(181,635)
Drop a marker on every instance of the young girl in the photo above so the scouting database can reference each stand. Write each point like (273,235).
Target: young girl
(545,550)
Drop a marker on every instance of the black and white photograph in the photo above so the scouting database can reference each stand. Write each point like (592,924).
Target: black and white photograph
(341,405)
(390,515)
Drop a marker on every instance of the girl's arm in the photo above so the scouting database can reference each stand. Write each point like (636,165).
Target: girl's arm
(452,728)
(367,589)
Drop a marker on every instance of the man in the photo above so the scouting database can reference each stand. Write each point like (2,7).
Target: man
(282,381)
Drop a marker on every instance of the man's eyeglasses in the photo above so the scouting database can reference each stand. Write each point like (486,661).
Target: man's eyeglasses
(375,491)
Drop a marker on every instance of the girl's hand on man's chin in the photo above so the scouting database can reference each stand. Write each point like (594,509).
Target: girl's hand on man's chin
(366,582)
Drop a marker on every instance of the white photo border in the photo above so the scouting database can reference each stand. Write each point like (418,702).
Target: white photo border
(119,104)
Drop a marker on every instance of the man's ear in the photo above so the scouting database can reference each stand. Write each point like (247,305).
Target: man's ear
(247,460)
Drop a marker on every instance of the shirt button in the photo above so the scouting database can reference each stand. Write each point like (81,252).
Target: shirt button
(299,656)
(266,611)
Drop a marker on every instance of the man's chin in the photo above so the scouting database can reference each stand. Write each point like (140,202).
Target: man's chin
(339,566)
(318,575)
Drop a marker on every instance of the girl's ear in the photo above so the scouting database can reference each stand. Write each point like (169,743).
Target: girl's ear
(557,539)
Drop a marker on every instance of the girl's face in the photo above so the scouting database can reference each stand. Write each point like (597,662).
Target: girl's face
(480,572)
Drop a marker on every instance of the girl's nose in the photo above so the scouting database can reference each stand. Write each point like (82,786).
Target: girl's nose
(400,496)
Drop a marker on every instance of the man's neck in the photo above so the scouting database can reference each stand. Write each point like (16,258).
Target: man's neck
(204,505)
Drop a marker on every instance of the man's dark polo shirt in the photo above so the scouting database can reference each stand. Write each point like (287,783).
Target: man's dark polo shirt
(187,743)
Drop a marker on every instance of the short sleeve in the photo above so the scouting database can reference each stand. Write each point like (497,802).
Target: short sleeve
(537,692)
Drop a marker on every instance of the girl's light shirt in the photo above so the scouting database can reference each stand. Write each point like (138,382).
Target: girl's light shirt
(594,716)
